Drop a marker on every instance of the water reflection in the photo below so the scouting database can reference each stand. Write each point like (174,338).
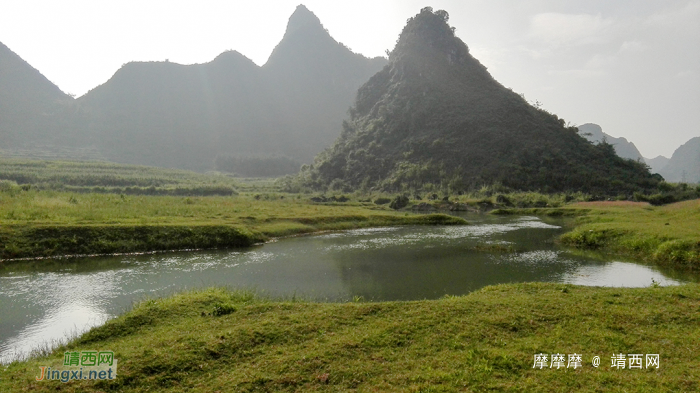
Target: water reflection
(48,300)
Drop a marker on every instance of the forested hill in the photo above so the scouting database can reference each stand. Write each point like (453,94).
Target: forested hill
(185,116)
(27,101)
(435,118)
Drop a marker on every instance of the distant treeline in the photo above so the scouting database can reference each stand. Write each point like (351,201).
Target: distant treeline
(103,177)
(257,166)
(177,191)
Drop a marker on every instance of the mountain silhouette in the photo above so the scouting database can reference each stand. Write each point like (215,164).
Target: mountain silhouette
(684,164)
(434,118)
(623,148)
(314,80)
(28,102)
(657,163)
(186,116)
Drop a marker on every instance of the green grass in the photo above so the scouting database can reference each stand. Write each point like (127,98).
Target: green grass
(217,340)
(106,177)
(49,223)
(667,234)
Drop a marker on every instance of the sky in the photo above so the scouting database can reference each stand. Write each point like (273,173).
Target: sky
(631,66)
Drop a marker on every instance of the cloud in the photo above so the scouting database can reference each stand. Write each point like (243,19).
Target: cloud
(579,73)
(599,61)
(632,46)
(687,74)
(598,65)
(569,29)
(680,19)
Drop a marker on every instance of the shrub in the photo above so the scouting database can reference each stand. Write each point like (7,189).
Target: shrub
(399,202)
(8,186)
(223,309)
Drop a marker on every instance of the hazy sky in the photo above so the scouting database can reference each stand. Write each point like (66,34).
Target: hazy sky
(632,66)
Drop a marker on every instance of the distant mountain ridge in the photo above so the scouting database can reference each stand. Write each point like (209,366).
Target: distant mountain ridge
(184,116)
(435,119)
(27,101)
(657,163)
(684,164)
(623,148)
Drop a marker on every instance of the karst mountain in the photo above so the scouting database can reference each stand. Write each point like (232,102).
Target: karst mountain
(623,147)
(29,104)
(684,164)
(226,111)
(434,118)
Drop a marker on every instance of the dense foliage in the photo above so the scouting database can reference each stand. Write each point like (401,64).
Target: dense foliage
(435,119)
(669,193)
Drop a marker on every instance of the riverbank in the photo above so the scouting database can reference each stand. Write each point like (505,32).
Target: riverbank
(214,339)
(666,235)
(49,224)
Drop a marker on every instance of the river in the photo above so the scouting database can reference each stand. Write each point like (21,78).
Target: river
(43,302)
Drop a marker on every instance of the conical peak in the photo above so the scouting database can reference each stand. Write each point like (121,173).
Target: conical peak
(427,29)
(302,18)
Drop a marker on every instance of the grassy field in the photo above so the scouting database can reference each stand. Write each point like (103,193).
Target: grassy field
(106,177)
(216,340)
(221,340)
(50,223)
(667,234)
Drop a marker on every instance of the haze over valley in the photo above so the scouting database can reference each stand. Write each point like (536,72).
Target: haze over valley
(228,114)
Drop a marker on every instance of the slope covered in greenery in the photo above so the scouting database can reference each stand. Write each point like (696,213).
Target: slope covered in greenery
(435,118)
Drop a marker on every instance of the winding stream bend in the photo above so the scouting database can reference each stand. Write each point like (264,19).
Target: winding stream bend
(44,302)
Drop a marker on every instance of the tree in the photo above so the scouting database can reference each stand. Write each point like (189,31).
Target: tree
(443,14)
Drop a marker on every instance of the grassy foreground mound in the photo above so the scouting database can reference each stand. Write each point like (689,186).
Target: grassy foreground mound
(483,341)
(667,234)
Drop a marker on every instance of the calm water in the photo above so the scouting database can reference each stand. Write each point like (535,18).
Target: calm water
(41,302)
